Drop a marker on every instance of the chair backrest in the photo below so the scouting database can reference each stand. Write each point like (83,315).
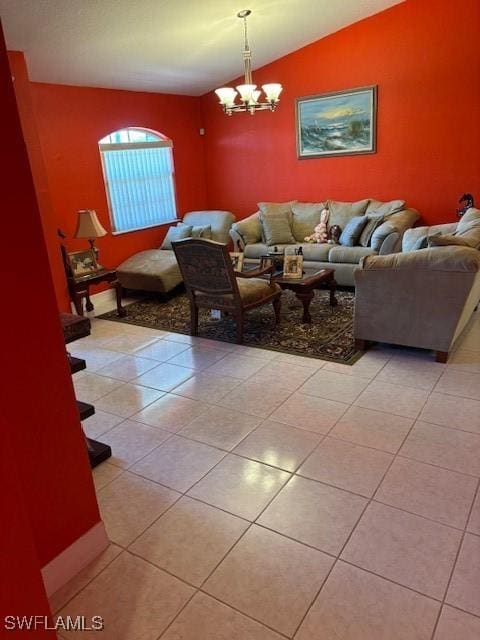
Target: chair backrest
(205,266)
(219,221)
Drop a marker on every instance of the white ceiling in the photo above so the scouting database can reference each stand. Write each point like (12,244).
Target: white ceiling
(171,46)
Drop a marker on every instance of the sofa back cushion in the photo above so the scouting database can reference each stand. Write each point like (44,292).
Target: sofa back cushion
(439,240)
(306,216)
(219,222)
(385,208)
(353,230)
(276,228)
(272,208)
(471,215)
(341,212)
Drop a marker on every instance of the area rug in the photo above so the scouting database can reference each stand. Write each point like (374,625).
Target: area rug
(329,336)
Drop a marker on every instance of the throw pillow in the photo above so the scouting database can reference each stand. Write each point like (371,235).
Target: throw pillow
(420,243)
(353,229)
(380,233)
(374,220)
(446,240)
(306,216)
(250,229)
(277,229)
(385,208)
(341,212)
(176,233)
(200,231)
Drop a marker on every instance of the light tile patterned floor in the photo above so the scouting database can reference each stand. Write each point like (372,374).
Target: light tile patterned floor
(256,495)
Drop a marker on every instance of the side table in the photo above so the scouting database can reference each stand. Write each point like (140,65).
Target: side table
(79,288)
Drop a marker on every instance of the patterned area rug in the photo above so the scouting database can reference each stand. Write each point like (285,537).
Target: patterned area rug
(328,337)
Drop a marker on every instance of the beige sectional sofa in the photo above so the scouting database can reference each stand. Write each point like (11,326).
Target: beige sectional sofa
(421,297)
(248,235)
(157,269)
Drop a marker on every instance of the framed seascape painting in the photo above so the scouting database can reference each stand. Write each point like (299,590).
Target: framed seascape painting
(342,123)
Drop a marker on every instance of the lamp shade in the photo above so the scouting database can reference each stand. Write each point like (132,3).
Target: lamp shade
(88,225)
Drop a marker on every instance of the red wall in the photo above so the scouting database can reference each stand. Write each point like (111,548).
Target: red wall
(39,420)
(424,57)
(71,121)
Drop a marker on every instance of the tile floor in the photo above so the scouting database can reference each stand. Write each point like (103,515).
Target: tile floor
(257,496)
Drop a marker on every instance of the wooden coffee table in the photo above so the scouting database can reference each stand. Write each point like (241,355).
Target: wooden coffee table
(304,288)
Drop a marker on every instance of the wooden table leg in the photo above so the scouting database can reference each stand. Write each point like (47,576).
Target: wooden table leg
(305,298)
(118,293)
(89,303)
(332,285)
(77,303)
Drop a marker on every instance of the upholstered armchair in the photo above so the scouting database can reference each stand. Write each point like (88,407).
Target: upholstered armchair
(211,282)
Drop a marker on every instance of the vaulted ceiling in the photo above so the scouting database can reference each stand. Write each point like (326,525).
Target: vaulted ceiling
(171,46)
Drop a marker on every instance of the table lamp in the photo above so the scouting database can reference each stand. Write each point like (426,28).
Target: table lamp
(88,226)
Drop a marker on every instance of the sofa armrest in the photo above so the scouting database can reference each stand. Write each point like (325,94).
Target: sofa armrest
(411,236)
(450,258)
(247,231)
(397,224)
(238,241)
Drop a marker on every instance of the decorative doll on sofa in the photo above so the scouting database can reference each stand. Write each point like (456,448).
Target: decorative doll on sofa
(320,233)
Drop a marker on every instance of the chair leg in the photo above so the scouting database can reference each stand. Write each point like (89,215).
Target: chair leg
(239,319)
(441,356)
(361,345)
(277,305)
(193,319)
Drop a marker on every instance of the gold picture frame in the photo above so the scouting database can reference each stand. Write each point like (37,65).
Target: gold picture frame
(237,260)
(338,123)
(83,263)
(293,267)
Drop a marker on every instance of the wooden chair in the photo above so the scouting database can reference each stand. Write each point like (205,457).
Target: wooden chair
(211,282)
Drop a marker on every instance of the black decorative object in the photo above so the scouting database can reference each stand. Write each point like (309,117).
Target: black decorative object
(465,202)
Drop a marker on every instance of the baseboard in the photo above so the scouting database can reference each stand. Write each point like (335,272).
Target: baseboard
(74,558)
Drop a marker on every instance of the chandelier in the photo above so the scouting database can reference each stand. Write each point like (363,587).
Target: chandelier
(249,94)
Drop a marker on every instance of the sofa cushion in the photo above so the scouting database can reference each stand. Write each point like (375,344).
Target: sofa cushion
(200,231)
(251,290)
(176,233)
(312,252)
(259,249)
(350,255)
(352,231)
(385,208)
(269,208)
(444,240)
(341,212)
(277,228)
(249,228)
(151,270)
(306,216)
(374,220)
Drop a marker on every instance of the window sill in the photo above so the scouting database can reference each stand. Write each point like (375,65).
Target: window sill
(152,226)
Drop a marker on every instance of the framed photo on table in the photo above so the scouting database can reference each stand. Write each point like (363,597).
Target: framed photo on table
(293,267)
(237,260)
(340,123)
(83,263)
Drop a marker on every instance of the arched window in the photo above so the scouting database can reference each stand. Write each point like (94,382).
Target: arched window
(138,172)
